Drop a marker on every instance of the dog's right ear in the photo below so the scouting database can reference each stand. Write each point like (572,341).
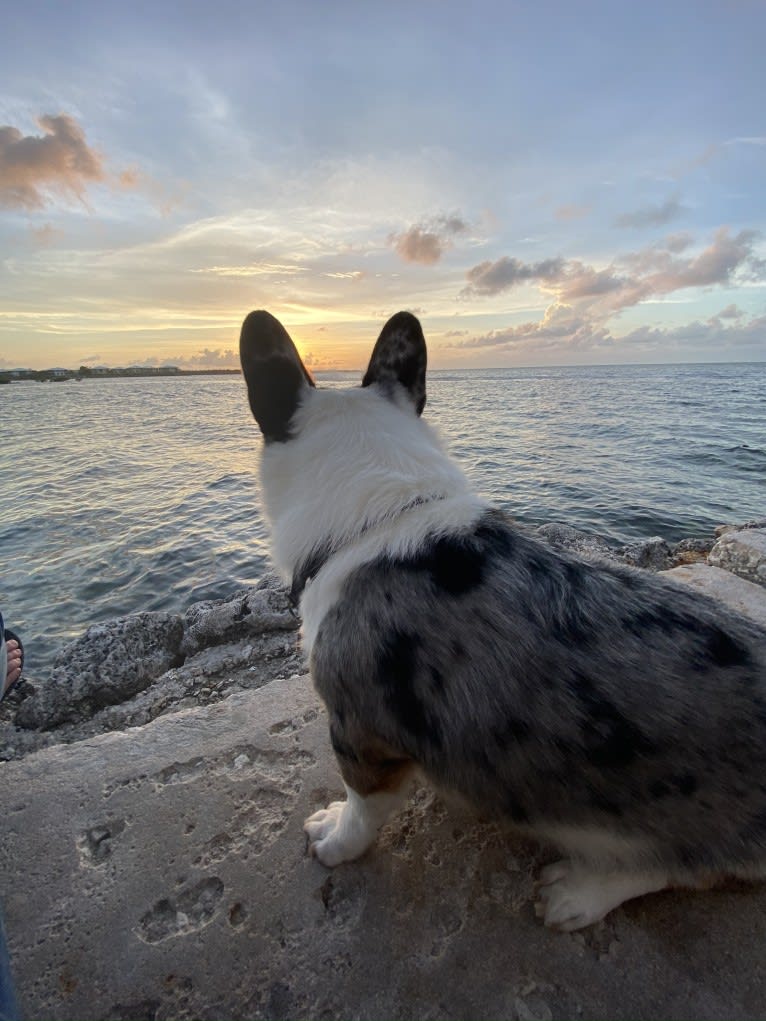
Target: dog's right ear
(275,375)
(399,356)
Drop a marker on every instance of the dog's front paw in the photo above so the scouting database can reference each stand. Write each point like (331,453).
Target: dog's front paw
(337,833)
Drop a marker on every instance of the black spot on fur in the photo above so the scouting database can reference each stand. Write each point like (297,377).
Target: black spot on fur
(611,740)
(510,732)
(606,804)
(455,564)
(437,678)
(458,650)
(516,811)
(397,672)
(685,784)
(724,651)
(659,789)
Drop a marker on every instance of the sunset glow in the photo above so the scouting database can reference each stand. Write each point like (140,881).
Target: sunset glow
(547,184)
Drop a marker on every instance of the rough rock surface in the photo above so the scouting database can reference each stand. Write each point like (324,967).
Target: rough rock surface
(154,865)
(742,596)
(257,642)
(565,538)
(161,873)
(109,664)
(743,552)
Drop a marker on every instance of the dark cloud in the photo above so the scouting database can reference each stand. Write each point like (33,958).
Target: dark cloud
(427,241)
(652,216)
(59,160)
(636,276)
(494,277)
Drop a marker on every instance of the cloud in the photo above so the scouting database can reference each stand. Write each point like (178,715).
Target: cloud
(208,358)
(494,277)
(427,241)
(562,332)
(586,298)
(730,312)
(652,216)
(59,161)
(634,277)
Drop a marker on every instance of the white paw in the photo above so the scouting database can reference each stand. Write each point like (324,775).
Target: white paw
(337,833)
(571,897)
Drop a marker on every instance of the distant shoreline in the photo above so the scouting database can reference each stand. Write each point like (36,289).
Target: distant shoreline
(77,375)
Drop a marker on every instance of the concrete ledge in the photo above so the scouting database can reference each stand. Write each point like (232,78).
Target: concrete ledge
(742,596)
(161,873)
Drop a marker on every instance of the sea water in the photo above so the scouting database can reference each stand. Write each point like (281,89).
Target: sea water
(120,495)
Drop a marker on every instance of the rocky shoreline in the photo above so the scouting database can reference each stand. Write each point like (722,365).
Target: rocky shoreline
(129,671)
(155,869)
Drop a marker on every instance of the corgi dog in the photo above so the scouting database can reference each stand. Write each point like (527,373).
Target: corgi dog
(605,710)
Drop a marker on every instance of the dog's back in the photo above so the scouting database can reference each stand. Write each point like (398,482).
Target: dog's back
(562,694)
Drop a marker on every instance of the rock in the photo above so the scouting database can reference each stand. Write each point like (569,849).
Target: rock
(265,607)
(742,552)
(741,596)
(571,540)
(690,551)
(178,886)
(652,554)
(109,664)
(723,529)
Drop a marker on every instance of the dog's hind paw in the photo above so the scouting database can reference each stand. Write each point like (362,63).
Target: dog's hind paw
(572,896)
(337,833)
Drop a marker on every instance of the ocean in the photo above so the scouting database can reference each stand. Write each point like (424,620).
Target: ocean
(120,495)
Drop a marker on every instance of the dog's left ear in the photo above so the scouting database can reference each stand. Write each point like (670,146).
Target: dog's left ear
(399,356)
(275,375)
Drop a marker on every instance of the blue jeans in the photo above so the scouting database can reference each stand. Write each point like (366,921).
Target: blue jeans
(9,1009)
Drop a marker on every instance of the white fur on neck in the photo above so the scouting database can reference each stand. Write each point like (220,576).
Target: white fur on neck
(356,460)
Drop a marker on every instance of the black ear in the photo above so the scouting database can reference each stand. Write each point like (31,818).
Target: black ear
(399,356)
(274,373)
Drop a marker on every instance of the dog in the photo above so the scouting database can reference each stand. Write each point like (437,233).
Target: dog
(605,710)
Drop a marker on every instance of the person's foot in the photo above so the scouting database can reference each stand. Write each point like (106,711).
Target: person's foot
(13,666)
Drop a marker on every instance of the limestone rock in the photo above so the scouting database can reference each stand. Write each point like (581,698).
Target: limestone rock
(176,885)
(690,551)
(742,552)
(110,663)
(252,611)
(571,540)
(742,596)
(652,554)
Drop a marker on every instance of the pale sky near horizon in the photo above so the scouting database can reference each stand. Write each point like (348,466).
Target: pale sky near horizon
(542,183)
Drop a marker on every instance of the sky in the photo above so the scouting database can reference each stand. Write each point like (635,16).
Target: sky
(545,183)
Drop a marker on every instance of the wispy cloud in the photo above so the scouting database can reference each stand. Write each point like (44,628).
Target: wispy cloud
(652,215)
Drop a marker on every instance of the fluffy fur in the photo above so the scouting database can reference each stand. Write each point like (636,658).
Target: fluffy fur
(607,710)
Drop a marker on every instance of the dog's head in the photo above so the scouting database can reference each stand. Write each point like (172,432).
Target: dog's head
(278,381)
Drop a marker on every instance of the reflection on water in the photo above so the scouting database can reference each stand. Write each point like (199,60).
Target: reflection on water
(133,494)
